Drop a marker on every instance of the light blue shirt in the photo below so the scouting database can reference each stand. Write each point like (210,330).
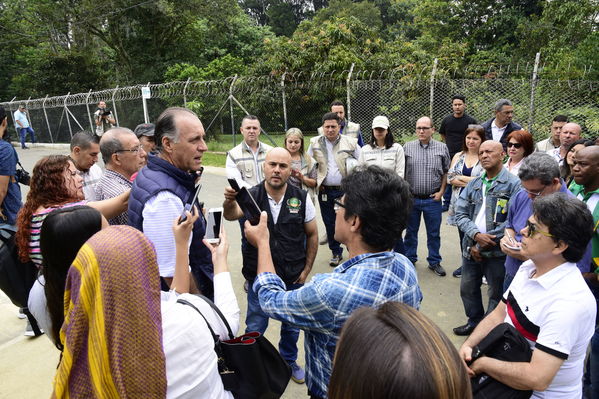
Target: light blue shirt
(21,117)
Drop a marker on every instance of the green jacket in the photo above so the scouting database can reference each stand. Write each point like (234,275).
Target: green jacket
(578,191)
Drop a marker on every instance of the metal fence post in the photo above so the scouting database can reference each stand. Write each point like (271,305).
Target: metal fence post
(116,115)
(284,100)
(89,116)
(347,81)
(185,92)
(13,116)
(46,116)
(533,86)
(67,113)
(29,117)
(432,96)
(231,109)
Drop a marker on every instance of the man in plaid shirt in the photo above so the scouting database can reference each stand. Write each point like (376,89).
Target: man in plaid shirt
(370,218)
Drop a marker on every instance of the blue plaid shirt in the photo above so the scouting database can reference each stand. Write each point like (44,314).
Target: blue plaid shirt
(322,306)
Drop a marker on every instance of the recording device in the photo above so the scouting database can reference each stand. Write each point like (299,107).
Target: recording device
(247,203)
(213,225)
(189,207)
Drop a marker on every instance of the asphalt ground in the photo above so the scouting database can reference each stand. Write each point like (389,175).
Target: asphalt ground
(27,365)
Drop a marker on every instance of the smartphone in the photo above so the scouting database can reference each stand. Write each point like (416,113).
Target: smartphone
(189,207)
(248,205)
(213,225)
(233,184)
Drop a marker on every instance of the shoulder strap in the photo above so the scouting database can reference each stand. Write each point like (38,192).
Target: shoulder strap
(184,302)
(215,308)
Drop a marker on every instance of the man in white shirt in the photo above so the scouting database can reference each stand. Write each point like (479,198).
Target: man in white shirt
(570,133)
(84,154)
(499,127)
(164,187)
(23,126)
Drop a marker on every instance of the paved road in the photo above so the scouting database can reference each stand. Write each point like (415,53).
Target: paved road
(27,365)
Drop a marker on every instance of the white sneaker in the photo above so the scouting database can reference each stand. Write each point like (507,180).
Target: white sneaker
(21,314)
(29,330)
(485,280)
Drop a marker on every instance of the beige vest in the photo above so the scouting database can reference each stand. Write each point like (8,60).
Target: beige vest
(351,129)
(243,158)
(342,150)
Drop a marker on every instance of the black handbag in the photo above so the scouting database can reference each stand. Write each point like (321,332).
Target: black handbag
(505,343)
(249,365)
(16,277)
(21,175)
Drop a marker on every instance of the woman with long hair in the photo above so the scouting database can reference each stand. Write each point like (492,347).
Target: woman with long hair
(303,166)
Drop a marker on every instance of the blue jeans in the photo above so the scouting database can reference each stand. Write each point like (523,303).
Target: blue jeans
(472,273)
(23,135)
(507,280)
(400,247)
(328,217)
(447,196)
(432,212)
(257,320)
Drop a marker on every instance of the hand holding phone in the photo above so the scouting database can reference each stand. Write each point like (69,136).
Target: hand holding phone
(190,207)
(213,225)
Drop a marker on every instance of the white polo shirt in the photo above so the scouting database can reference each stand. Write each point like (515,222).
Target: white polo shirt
(556,314)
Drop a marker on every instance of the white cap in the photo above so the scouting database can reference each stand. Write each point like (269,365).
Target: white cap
(380,121)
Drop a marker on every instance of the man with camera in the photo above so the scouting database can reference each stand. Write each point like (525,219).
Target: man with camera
(104,119)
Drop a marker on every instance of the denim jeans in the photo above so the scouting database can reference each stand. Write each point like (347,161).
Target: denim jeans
(432,212)
(328,217)
(23,135)
(507,280)
(257,320)
(400,247)
(472,273)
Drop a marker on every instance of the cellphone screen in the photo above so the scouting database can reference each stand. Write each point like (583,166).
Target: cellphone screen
(213,223)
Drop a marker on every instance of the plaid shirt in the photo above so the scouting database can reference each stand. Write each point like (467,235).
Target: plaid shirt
(426,165)
(113,184)
(322,306)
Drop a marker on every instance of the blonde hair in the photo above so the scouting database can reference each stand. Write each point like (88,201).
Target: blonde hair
(294,131)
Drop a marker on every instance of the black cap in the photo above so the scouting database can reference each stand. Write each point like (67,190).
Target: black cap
(145,129)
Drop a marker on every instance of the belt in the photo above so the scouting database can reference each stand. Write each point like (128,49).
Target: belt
(337,188)
(424,196)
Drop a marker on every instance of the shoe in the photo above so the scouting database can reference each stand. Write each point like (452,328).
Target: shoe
(444,209)
(246,286)
(298,374)
(29,330)
(21,314)
(335,260)
(24,148)
(438,269)
(324,240)
(464,330)
(457,273)
(485,280)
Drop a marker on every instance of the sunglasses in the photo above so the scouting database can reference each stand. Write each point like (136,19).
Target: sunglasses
(515,145)
(531,230)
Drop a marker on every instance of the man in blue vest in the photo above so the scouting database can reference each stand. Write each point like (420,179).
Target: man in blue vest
(293,242)
(162,189)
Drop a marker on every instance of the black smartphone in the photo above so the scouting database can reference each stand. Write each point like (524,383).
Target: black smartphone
(233,184)
(189,207)
(247,203)
(213,223)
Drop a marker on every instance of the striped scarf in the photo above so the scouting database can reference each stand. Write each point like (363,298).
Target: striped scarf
(112,331)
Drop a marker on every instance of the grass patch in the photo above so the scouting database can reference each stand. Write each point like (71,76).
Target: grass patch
(224,142)
(213,159)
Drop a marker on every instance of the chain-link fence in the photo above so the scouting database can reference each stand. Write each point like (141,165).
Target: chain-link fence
(300,99)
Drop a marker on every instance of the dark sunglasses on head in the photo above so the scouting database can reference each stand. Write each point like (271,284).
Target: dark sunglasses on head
(516,145)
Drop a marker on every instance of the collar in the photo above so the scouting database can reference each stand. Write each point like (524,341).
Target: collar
(184,178)
(116,175)
(554,275)
(359,258)
(333,143)
(497,127)
(246,147)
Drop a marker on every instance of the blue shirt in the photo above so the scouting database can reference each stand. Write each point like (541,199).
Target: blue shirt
(520,209)
(8,167)
(322,306)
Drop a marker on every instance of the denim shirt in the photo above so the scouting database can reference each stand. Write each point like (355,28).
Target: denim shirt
(469,203)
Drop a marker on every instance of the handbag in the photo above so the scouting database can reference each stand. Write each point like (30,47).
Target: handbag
(505,343)
(21,175)
(16,277)
(249,365)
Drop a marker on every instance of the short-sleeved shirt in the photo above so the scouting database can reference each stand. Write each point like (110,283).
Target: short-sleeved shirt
(8,166)
(453,129)
(21,117)
(113,184)
(556,314)
(91,178)
(425,166)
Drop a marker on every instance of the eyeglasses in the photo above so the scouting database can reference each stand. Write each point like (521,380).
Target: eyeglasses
(423,128)
(535,194)
(132,150)
(531,230)
(337,205)
(515,145)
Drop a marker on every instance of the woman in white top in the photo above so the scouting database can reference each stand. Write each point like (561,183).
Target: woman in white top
(303,166)
(384,152)
(520,144)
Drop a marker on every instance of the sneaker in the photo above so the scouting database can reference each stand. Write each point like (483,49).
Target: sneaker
(438,269)
(485,280)
(297,373)
(323,240)
(29,330)
(335,260)
(21,314)
(457,273)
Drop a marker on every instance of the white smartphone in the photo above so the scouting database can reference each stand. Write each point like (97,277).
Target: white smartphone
(213,225)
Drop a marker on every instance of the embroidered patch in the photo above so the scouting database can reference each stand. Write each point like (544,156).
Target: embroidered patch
(293,205)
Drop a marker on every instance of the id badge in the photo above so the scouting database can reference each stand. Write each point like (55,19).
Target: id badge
(500,211)
(323,197)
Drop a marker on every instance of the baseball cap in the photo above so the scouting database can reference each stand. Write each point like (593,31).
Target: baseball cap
(380,121)
(145,129)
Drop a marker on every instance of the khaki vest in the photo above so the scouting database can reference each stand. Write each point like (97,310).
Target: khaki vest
(243,158)
(351,129)
(342,150)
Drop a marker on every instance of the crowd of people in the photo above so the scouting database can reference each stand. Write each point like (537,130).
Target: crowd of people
(115,255)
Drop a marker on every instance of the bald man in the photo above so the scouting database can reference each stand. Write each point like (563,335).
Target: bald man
(293,242)
(481,214)
(570,133)
(427,163)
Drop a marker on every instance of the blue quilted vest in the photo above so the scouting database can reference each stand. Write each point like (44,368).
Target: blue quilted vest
(160,175)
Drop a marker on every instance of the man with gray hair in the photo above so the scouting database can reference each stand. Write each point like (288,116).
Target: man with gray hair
(570,133)
(164,187)
(84,154)
(123,156)
(539,176)
(499,127)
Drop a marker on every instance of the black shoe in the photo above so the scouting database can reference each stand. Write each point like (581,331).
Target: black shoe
(24,148)
(464,330)
(335,260)
(438,269)
(457,273)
